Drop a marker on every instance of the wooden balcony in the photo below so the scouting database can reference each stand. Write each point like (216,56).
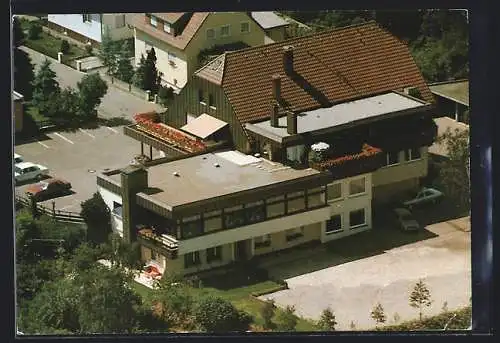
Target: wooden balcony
(164,243)
(367,160)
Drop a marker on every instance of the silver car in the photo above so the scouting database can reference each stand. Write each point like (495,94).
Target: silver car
(425,195)
(405,220)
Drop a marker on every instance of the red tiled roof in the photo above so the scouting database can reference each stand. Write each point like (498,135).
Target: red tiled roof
(170,17)
(340,64)
(179,41)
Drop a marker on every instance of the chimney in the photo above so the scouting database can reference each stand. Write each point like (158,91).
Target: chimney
(274,115)
(291,123)
(288,59)
(133,180)
(277,87)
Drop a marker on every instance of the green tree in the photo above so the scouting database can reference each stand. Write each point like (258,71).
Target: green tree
(378,314)
(34,31)
(420,297)
(267,313)
(286,320)
(173,302)
(44,86)
(454,171)
(123,254)
(64,106)
(18,35)
(91,90)
(65,47)
(26,230)
(125,70)
(214,314)
(108,52)
(97,216)
(327,321)
(166,94)
(147,76)
(23,73)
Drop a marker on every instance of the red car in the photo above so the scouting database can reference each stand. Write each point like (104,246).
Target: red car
(48,189)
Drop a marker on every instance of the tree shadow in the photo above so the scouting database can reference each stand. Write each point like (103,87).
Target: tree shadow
(235,276)
(115,121)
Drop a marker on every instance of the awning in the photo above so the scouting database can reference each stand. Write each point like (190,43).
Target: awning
(204,126)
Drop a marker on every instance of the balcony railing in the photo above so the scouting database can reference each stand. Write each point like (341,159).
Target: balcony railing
(164,242)
(367,160)
(147,122)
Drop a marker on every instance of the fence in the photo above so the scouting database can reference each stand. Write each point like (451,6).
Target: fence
(59,215)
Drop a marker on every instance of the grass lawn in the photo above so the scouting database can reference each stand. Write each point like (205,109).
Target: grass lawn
(50,46)
(240,296)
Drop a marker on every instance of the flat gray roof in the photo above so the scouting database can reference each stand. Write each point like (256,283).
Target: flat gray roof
(199,178)
(338,115)
(268,20)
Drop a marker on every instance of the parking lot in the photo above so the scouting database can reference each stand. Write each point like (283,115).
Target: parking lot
(77,157)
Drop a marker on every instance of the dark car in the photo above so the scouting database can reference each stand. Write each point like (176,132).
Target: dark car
(48,189)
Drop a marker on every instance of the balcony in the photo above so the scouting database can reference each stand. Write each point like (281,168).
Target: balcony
(154,239)
(367,160)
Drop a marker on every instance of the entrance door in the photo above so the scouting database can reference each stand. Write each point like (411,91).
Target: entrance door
(241,251)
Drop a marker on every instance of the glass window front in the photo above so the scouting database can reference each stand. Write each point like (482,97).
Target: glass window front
(357,186)
(334,224)
(357,218)
(335,191)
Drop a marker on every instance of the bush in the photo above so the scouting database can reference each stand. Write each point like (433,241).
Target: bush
(286,320)
(34,31)
(267,313)
(88,49)
(165,94)
(64,46)
(214,314)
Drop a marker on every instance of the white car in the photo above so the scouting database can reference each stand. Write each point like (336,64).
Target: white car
(425,195)
(25,171)
(18,159)
(405,220)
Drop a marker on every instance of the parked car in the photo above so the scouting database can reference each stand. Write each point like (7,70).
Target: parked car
(18,159)
(25,171)
(425,195)
(48,189)
(405,220)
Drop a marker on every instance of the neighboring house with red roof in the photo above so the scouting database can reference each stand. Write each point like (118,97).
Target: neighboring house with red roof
(178,39)
(324,128)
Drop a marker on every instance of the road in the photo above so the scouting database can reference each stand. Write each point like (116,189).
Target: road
(352,289)
(116,102)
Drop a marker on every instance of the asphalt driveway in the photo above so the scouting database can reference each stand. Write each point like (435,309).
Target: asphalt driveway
(352,289)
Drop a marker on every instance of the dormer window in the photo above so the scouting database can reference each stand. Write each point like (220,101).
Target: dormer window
(153,21)
(167,27)
(245,27)
(210,34)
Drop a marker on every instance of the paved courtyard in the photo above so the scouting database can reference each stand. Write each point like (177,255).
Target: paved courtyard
(78,156)
(352,289)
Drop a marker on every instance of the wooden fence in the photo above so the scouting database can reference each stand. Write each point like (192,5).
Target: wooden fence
(59,215)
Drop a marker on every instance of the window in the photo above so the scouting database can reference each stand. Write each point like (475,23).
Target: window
(224,31)
(245,27)
(392,158)
(167,27)
(296,202)
(153,21)
(200,96)
(413,154)
(294,234)
(357,218)
(210,34)
(255,212)
(334,224)
(86,18)
(357,186)
(120,21)
(315,199)
(335,191)
(211,101)
(192,259)
(155,255)
(214,254)
(191,226)
(234,217)
(262,241)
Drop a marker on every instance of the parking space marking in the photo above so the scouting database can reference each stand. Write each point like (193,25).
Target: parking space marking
(42,144)
(111,129)
(85,132)
(62,137)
